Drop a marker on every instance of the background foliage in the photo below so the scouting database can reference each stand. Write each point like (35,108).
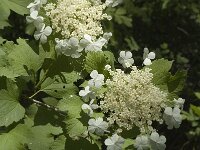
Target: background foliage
(171,28)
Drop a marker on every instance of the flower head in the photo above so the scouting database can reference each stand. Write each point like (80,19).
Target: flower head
(172,117)
(97,79)
(74,18)
(114,143)
(91,45)
(157,142)
(132,99)
(97,126)
(148,57)
(113,3)
(142,142)
(126,59)
(85,94)
(37,20)
(179,102)
(42,33)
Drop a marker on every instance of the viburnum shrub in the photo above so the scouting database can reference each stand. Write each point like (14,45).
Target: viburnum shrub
(63,90)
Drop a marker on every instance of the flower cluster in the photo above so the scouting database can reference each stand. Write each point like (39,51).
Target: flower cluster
(73,46)
(38,21)
(132,99)
(74,18)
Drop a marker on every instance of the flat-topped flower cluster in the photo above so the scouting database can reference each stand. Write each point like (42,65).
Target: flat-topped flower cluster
(74,18)
(132,99)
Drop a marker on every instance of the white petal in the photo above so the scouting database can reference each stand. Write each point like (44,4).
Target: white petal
(47,30)
(128,55)
(88,38)
(34,14)
(147,62)
(37,35)
(85,106)
(122,54)
(43,38)
(151,55)
(94,74)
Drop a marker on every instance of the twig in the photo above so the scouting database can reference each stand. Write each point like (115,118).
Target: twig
(48,106)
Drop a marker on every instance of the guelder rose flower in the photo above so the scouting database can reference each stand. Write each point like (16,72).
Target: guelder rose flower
(36,5)
(148,57)
(172,117)
(142,142)
(91,45)
(86,93)
(37,20)
(114,143)
(97,79)
(42,33)
(157,142)
(73,48)
(179,102)
(97,126)
(113,3)
(126,59)
(89,108)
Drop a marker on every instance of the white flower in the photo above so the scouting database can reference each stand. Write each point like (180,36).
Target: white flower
(97,45)
(89,108)
(73,48)
(69,47)
(36,5)
(60,45)
(97,126)
(85,94)
(37,20)
(179,102)
(107,67)
(97,79)
(172,117)
(142,142)
(42,33)
(126,59)
(113,3)
(148,57)
(114,143)
(157,142)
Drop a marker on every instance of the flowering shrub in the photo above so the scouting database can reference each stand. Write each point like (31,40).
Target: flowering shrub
(65,91)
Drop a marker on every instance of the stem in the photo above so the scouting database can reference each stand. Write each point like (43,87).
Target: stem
(34,94)
(48,106)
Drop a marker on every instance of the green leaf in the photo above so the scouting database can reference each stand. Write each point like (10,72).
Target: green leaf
(128,144)
(177,82)
(56,89)
(1,39)
(98,61)
(197,94)
(10,108)
(17,60)
(59,143)
(160,69)
(23,55)
(74,127)
(43,137)
(72,104)
(18,6)
(16,138)
(195,109)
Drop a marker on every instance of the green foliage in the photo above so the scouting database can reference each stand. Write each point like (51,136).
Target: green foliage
(98,61)
(18,6)
(16,138)
(11,110)
(162,78)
